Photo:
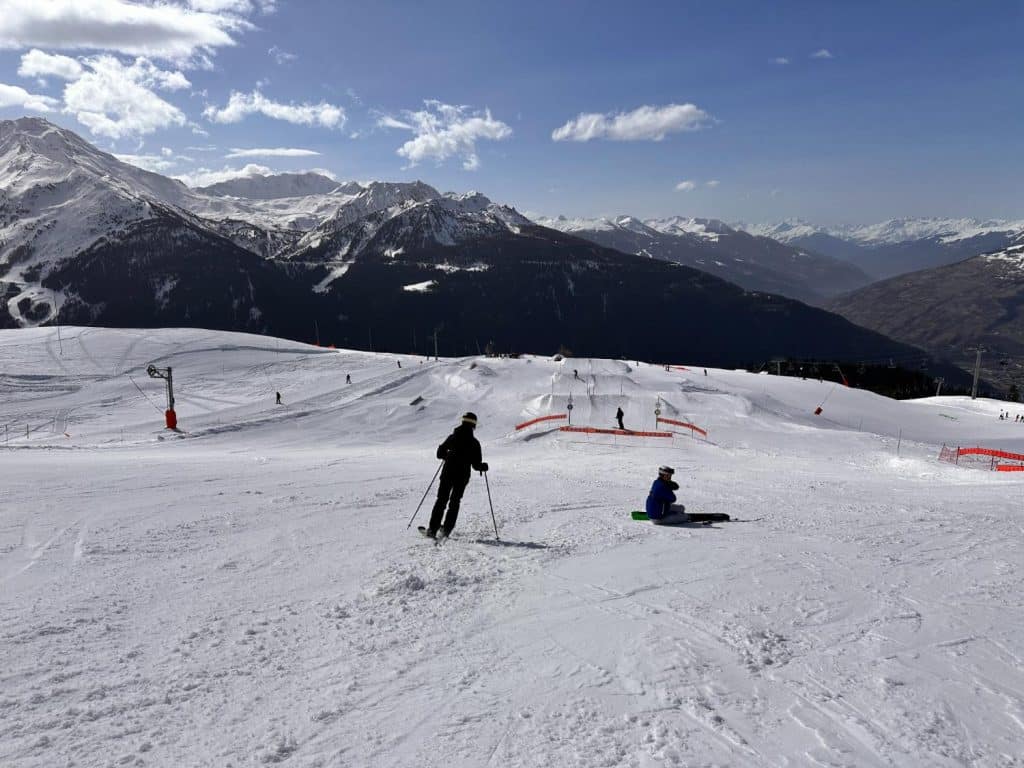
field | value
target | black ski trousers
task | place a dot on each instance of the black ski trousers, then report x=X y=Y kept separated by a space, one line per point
x=449 y=493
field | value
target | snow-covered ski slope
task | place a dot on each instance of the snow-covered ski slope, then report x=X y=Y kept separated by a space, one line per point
x=247 y=592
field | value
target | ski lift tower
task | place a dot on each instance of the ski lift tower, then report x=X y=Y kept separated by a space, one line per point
x=165 y=373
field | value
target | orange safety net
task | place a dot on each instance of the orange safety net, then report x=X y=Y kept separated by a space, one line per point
x=990 y=452
x=1009 y=467
x=686 y=424
x=526 y=424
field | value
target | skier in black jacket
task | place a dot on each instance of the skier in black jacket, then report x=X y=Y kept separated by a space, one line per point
x=460 y=451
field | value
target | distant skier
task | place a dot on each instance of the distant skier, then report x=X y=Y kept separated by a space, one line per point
x=348 y=378
x=661 y=508
x=618 y=417
x=278 y=398
x=576 y=375
x=399 y=363
x=460 y=451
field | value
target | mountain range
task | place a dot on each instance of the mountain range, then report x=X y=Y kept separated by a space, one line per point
x=953 y=309
x=754 y=262
x=88 y=239
x=896 y=246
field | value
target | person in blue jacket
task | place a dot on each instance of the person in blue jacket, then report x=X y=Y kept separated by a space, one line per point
x=661 y=506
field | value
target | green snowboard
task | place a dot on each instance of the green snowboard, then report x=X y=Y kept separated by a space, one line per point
x=695 y=517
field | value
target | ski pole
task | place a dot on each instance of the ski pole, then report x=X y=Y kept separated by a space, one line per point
x=424 y=495
x=491 y=504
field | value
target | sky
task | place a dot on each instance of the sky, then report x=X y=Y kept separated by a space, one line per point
x=838 y=113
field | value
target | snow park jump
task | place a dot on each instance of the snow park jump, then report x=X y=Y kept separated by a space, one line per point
x=618 y=432
x=283 y=529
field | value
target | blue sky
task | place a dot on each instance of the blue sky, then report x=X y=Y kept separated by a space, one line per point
x=833 y=112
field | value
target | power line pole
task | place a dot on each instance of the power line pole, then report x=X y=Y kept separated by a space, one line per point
x=977 y=371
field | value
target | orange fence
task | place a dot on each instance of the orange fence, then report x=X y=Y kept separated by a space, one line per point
x=990 y=452
x=691 y=427
x=953 y=455
x=623 y=432
x=531 y=422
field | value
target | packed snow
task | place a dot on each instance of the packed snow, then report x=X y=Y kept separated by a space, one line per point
x=248 y=591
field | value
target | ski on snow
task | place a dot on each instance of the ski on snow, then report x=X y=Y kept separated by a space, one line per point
x=439 y=539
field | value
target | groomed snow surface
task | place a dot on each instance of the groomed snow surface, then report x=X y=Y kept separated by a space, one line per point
x=247 y=592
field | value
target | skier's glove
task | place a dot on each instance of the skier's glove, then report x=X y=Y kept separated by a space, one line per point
x=483 y=466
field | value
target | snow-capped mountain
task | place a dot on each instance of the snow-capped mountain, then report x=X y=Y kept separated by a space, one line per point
x=360 y=202
x=889 y=232
x=276 y=186
x=785 y=231
x=709 y=229
x=947 y=231
x=58 y=193
x=953 y=308
x=756 y=263
x=896 y=246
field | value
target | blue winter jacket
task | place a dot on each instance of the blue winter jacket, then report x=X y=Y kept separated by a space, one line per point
x=660 y=498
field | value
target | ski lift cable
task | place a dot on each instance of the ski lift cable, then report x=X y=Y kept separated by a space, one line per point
x=157 y=407
x=829 y=394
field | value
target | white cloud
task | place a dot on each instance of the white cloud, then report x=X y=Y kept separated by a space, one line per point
x=443 y=131
x=158 y=30
x=712 y=183
x=781 y=60
x=686 y=186
x=822 y=53
x=204 y=177
x=155 y=163
x=13 y=96
x=281 y=56
x=239 y=7
x=35 y=63
x=241 y=105
x=642 y=124
x=270 y=152
x=116 y=100
x=389 y=122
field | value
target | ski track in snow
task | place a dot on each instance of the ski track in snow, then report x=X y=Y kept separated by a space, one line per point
x=248 y=593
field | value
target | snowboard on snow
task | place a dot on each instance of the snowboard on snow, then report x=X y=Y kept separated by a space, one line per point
x=695 y=517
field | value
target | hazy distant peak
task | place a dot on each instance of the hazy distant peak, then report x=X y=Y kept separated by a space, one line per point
x=273 y=186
